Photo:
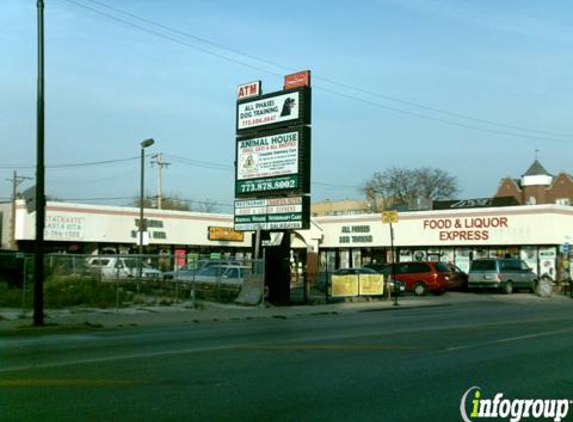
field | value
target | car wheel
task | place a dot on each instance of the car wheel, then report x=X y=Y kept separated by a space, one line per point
x=420 y=289
x=508 y=288
x=534 y=287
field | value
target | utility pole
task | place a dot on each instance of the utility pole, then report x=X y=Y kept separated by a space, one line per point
x=16 y=181
x=40 y=182
x=158 y=159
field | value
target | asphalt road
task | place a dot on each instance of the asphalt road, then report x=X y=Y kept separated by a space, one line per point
x=392 y=365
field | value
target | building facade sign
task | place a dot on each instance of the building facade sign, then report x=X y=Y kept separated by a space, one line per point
x=225 y=233
x=355 y=234
x=466 y=228
x=64 y=227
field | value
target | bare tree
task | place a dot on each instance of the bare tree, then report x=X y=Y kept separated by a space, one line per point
x=208 y=205
x=398 y=186
x=171 y=203
x=175 y=203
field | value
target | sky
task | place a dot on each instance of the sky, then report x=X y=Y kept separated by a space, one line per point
x=479 y=89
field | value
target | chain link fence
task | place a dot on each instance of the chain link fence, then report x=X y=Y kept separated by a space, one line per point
x=110 y=281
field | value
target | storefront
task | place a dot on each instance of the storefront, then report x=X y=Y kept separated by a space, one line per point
x=87 y=229
x=536 y=234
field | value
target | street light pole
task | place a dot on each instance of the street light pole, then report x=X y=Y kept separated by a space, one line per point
x=144 y=144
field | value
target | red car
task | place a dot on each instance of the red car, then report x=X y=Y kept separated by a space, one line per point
x=423 y=276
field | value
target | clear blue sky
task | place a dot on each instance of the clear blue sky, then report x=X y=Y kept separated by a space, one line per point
x=395 y=83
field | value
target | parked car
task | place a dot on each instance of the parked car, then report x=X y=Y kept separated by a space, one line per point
x=393 y=286
x=220 y=273
x=192 y=267
x=114 y=267
x=389 y=283
x=505 y=274
x=423 y=276
x=459 y=277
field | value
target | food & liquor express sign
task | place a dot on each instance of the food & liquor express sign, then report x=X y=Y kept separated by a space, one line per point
x=467 y=228
x=284 y=108
x=273 y=214
x=274 y=163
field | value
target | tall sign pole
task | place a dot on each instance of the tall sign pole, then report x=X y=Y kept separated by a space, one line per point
x=40 y=189
x=391 y=217
x=272 y=171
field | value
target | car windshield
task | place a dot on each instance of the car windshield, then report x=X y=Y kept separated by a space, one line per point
x=211 y=271
x=485 y=265
x=365 y=271
x=443 y=268
x=134 y=263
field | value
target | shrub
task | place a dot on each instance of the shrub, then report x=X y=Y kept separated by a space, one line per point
x=11 y=297
x=63 y=292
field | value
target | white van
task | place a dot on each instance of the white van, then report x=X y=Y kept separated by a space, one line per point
x=114 y=267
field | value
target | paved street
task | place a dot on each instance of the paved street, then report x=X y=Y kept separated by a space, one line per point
x=376 y=364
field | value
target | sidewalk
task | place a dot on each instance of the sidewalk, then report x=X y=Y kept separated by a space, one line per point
x=12 y=321
x=184 y=313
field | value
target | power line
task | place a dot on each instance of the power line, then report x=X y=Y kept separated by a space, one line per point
x=337 y=83
x=444 y=121
x=198 y=163
x=76 y=180
x=167 y=37
x=72 y=165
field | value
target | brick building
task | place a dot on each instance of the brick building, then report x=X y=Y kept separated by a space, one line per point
x=538 y=186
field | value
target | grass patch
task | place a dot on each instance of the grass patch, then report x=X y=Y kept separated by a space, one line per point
x=65 y=292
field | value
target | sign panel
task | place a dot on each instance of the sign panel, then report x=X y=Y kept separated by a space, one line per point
x=273 y=214
x=64 y=227
x=29 y=196
x=277 y=163
x=389 y=217
x=502 y=201
x=225 y=233
x=371 y=284
x=248 y=90
x=344 y=285
x=295 y=80
x=283 y=108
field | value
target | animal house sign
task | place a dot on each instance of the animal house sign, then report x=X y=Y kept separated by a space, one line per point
x=273 y=163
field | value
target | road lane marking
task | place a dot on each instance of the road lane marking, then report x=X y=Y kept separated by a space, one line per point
x=506 y=340
x=326 y=347
x=116 y=358
x=67 y=382
x=334 y=337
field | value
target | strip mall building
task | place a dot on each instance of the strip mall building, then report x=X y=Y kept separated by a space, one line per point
x=538 y=234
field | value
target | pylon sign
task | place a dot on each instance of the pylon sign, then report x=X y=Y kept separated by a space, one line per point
x=272 y=157
x=290 y=107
